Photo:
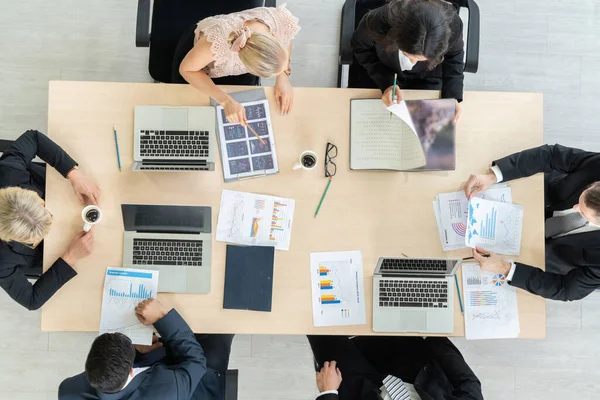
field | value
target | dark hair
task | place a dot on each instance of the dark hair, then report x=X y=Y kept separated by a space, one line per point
x=418 y=27
x=109 y=362
x=592 y=198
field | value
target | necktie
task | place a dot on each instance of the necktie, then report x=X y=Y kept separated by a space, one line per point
x=563 y=224
x=396 y=388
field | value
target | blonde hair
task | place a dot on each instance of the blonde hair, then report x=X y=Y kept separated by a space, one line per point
x=263 y=55
x=23 y=217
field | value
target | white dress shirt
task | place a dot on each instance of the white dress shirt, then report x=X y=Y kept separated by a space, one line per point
x=384 y=394
x=136 y=372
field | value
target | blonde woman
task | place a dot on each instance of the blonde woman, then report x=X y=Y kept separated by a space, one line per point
x=256 y=41
x=24 y=220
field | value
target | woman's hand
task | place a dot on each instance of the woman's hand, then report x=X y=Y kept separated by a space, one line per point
x=284 y=94
x=85 y=189
x=234 y=112
x=387 y=96
x=457 y=113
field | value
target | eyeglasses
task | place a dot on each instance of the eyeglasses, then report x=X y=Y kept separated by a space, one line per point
x=330 y=153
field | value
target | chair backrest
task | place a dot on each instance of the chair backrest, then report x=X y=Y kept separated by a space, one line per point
x=231 y=384
x=171 y=18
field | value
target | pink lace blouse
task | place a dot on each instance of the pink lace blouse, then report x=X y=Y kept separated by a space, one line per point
x=218 y=30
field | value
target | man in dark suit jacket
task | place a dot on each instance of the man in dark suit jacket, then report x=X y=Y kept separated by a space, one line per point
x=19 y=258
x=369 y=367
x=380 y=28
x=179 y=368
x=572 y=208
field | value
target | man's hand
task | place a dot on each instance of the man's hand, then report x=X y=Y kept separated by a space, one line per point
x=81 y=246
x=457 y=112
x=284 y=94
x=150 y=310
x=387 y=96
x=329 y=378
x=492 y=262
x=147 y=349
x=85 y=189
x=479 y=183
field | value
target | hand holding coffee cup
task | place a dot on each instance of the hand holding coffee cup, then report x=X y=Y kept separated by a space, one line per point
x=308 y=160
x=91 y=215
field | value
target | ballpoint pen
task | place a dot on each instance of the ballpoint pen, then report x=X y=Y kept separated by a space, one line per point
x=117 y=146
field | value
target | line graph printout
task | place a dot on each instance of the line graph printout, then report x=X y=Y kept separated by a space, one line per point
x=451 y=210
x=124 y=289
x=495 y=226
x=491 y=310
x=255 y=219
x=338 y=293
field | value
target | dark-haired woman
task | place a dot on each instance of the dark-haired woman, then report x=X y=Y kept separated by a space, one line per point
x=420 y=40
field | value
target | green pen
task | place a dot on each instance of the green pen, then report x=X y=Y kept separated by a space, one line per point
x=394 y=92
x=323 y=197
x=459 y=296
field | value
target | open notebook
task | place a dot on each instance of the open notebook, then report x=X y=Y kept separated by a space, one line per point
x=419 y=136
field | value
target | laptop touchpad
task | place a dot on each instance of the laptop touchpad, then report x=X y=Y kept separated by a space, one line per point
x=175 y=118
x=414 y=321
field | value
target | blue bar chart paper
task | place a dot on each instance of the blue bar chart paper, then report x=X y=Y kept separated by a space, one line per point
x=124 y=289
x=494 y=226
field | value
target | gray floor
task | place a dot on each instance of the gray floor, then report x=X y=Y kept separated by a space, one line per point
x=548 y=46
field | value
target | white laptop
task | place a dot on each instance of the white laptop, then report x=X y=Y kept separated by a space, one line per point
x=174 y=138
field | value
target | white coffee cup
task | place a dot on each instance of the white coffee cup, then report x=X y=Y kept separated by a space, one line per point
x=91 y=215
x=308 y=160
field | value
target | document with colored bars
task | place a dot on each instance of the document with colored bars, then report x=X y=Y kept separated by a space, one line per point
x=451 y=211
x=338 y=289
x=124 y=289
x=491 y=310
x=255 y=219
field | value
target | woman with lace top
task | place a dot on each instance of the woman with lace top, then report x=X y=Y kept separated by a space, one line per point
x=256 y=41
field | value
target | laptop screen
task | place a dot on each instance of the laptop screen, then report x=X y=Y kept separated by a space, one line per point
x=166 y=219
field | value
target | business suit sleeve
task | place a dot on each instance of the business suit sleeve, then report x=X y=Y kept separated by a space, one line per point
x=546 y=158
x=32 y=297
x=453 y=65
x=575 y=285
x=465 y=384
x=363 y=46
x=329 y=396
x=188 y=361
x=34 y=143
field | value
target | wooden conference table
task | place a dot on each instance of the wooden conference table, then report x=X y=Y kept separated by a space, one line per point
x=379 y=213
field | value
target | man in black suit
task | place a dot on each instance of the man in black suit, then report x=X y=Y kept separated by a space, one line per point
x=182 y=367
x=373 y=367
x=572 y=208
x=24 y=221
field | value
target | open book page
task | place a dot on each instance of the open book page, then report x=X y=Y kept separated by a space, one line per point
x=378 y=142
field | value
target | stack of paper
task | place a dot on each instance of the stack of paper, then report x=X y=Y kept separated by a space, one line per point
x=490 y=305
x=338 y=288
x=451 y=210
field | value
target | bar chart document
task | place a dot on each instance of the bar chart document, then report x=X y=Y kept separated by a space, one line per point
x=338 y=289
x=491 y=310
x=124 y=289
x=255 y=219
x=494 y=226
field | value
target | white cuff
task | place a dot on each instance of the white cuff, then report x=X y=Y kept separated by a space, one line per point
x=328 y=392
x=497 y=172
x=511 y=272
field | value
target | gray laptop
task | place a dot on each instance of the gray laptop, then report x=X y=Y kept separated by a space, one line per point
x=175 y=240
x=414 y=295
x=174 y=138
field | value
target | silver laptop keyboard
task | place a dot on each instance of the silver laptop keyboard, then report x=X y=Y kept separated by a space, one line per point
x=167 y=252
x=174 y=168
x=409 y=293
x=174 y=144
x=412 y=264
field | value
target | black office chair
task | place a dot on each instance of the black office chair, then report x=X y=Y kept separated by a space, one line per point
x=352 y=74
x=170 y=20
x=231 y=384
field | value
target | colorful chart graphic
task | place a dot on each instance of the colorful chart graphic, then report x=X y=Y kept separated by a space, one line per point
x=254 y=228
x=483 y=298
x=498 y=280
x=329 y=299
x=459 y=228
x=259 y=204
x=324 y=271
x=325 y=285
x=141 y=293
x=276 y=220
x=345 y=313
